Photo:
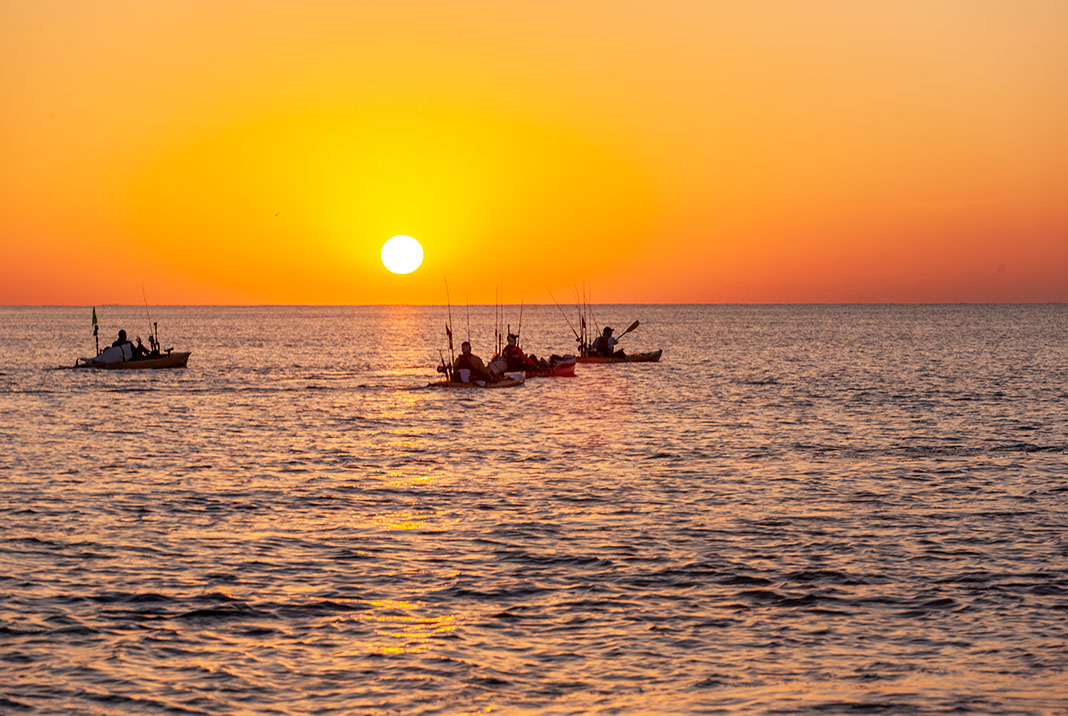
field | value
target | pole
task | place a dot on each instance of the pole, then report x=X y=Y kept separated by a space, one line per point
x=589 y=304
x=447 y=370
x=96 y=334
x=519 y=330
x=561 y=308
x=448 y=326
x=147 y=314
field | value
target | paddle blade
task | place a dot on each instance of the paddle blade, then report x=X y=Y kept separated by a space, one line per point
x=630 y=328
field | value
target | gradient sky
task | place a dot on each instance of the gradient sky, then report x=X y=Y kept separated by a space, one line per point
x=657 y=151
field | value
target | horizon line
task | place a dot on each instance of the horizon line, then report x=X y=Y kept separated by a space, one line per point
x=443 y=305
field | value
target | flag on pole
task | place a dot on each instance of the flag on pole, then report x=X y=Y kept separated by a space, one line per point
x=94 y=321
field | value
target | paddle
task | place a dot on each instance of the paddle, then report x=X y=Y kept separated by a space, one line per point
x=629 y=329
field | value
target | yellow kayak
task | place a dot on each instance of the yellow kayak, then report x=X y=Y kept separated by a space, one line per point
x=170 y=360
x=505 y=383
x=652 y=357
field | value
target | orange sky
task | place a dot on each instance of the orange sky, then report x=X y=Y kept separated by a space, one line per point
x=659 y=151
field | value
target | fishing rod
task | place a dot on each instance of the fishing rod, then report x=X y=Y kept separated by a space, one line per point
x=580 y=302
x=519 y=330
x=151 y=336
x=444 y=368
x=564 y=315
x=498 y=314
x=589 y=304
x=448 y=326
x=580 y=305
x=96 y=334
x=468 y=318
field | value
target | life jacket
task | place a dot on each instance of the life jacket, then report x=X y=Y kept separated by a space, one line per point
x=513 y=355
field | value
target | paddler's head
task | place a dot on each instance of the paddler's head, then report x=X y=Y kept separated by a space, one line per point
x=512 y=338
x=122 y=335
x=465 y=348
x=607 y=331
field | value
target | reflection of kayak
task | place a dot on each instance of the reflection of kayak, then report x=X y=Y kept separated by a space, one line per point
x=563 y=368
x=505 y=383
x=171 y=360
x=652 y=357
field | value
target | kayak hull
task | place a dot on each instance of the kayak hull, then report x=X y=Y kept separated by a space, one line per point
x=651 y=357
x=506 y=383
x=174 y=360
x=561 y=369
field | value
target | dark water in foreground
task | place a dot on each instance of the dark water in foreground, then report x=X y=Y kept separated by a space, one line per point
x=836 y=509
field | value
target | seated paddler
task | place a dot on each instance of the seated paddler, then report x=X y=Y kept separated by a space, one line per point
x=122 y=348
x=605 y=344
x=122 y=340
x=515 y=357
x=467 y=368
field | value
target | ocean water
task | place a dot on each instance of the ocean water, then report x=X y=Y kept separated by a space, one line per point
x=799 y=509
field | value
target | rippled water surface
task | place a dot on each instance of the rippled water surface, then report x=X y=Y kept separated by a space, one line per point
x=821 y=508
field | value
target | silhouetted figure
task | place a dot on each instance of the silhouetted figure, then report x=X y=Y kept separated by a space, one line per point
x=468 y=367
x=514 y=356
x=605 y=344
x=122 y=340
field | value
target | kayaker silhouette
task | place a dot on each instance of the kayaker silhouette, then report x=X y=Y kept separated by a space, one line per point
x=516 y=358
x=604 y=344
x=468 y=367
x=122 y=340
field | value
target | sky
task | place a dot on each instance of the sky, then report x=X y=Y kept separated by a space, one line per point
x=651 y=151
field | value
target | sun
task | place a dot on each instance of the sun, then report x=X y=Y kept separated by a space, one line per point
x=402 y=254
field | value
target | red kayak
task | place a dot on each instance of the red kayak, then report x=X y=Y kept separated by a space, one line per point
x=560 y=368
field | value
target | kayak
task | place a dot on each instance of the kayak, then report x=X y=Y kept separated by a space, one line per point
x=563 y=368
x=171 y=360
x=651 y=357
x=505 y=383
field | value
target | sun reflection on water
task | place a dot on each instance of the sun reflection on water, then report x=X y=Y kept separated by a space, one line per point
x=398 y=631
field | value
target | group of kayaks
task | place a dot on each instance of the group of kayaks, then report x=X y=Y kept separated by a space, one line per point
x=555 y=367
x=125 y=356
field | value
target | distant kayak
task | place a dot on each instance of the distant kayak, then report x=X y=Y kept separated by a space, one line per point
x=652 y=357
x=170 y=360
x=505 y=383
x=124 y=355
x=562 y=368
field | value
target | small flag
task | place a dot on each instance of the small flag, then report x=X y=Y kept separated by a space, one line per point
x=94 y=320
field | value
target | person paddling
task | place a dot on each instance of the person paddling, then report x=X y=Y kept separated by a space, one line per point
x=468 y=367
x=605 y=344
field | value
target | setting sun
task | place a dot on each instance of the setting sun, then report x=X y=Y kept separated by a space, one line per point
x=402 y=254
